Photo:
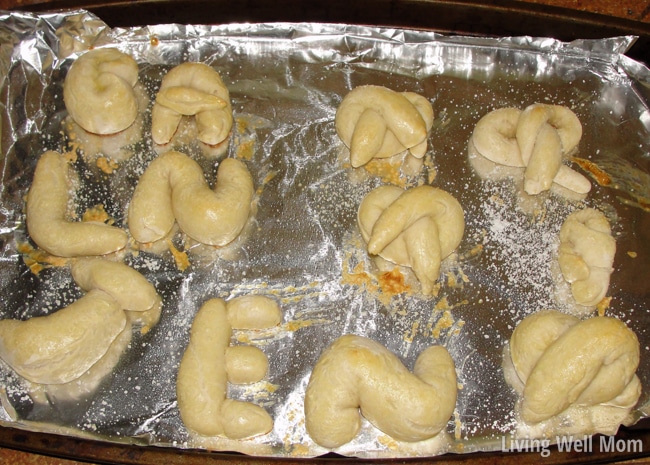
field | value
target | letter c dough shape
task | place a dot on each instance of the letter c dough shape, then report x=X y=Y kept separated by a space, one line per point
x=173 y=189
x=563 y=361
x=98 y=91
x=586 y=255
x=203 y=376
x=46 y=212
x=417 y=227
x=60 y=347
x=192 y=89
x=377 y=122
x=358 y=375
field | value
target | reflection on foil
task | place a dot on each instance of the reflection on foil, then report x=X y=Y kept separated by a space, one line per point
x=303 y=247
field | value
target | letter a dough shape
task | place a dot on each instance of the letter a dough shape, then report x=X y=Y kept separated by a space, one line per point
x=356 y=375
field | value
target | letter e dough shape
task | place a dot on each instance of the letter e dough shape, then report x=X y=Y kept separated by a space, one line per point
x=201 y=384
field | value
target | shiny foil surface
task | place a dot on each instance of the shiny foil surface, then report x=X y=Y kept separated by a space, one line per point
x=303 y=246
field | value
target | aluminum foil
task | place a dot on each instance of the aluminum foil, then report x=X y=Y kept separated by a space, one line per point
x=303 y=247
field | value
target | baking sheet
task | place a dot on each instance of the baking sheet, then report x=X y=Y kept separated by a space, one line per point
x=303 y=248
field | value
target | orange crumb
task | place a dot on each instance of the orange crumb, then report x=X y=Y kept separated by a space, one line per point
x=596 y=172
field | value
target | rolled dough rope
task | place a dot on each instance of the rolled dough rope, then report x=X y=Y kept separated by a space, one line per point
x=253 y=312
x=586 y=255
x=192 y=89
x=356 y=375
x=418 y=228
x=377 y=122
x=46 y=212
x=60 y=347
x=137 y=296
x=565 y=362
x=98 y=91
x=173 y=189
x=536 y=139
x=202 y=381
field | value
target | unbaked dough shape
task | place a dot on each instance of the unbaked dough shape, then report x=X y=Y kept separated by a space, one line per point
x=574 y=369
x=536 y=139
x=173 y=190
x=132 y=291
x=47 y=219
x=98 y=91
x=357 y=376
x=210 y=362
x=65 y=355
x=417 y=227
x=377 y=122
x=586 y=255
x=62 y=346
x=193 y=89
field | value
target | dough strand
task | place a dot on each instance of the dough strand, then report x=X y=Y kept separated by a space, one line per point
x=358 y=376
x=47 y=219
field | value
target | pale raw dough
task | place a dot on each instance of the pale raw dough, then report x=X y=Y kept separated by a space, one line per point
x=586 y=255
x=98 y=91
x=209 y=363
x=254 y=312
x=66 y=354
x=203 y=376
x=377 y=122
x=358 y=376
x=245 y=364
x=564 y=362
x=133 y=292
x=47 y=219
x=417 y=228
x=192 y=89
x=62 y=346
x=173 y=190
x=536 y=139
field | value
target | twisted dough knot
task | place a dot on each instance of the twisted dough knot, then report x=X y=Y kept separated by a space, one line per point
x=536 y=139
x=47 y=220
x=61 y=347
x=376 y=122
x=98 y=91
x=358 y=374
x=564 y=361
x=192 y=89
x=586 y=255
x=209 y=363
x=173 y=189
x=418 y=228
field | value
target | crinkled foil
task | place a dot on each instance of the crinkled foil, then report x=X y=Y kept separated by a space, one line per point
x=303 y=247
